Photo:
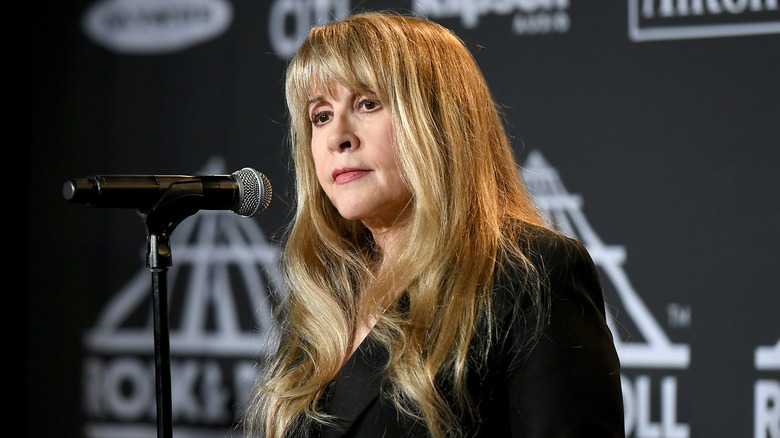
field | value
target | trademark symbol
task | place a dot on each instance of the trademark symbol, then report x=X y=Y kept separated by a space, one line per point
x=678 y=315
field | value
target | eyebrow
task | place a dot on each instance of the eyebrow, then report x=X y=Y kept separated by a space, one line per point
x=312 y=101
x=315 y=100
x=322 y=98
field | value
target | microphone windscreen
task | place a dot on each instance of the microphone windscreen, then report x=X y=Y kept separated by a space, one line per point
x=254 y=192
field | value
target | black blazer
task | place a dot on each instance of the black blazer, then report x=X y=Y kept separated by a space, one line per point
x=567 y=385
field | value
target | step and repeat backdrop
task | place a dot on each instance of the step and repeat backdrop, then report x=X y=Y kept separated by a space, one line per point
x=647 y=129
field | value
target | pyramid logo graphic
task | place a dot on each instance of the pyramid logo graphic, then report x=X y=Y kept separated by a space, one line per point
x=563 y=211
x=224 y=285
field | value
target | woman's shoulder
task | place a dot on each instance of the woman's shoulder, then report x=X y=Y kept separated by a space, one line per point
x=548 y=242
x=555 y=277
x=566 y=377
x=550 y=254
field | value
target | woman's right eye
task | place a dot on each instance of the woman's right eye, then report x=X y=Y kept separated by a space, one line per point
x=320 y=118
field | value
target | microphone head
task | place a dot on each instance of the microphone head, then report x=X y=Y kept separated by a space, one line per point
x=254 y=192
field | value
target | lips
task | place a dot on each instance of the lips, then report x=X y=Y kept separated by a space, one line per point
x=345 y=175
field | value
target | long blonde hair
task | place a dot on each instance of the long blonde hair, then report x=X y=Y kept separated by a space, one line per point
x=467 y=202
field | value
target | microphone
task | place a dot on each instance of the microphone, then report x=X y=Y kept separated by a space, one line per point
x=246 y=192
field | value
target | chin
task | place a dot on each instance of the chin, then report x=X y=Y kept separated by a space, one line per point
x=353 y=217
x=351 y=210
x=349 y=215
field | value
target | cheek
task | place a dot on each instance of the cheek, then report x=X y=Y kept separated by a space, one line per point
x=319 y=157
x=391 y=159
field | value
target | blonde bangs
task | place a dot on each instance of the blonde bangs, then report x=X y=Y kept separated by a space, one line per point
x=352 y=55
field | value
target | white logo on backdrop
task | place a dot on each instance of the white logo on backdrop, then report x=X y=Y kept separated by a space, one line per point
x=684 y=19
x=155 y=26
x=529 y=17
x=563 y=211
x=289 y=21
x=224 y=281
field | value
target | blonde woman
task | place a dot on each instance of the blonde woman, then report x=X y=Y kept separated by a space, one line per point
x=427 y=298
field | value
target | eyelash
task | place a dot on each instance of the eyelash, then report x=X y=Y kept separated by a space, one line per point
x=316 y=116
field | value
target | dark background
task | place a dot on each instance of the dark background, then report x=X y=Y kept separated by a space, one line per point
x=673 y=145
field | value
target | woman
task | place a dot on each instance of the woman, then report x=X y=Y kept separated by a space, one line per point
x=426 y=296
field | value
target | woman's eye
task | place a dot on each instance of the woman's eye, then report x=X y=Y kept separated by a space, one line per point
x=369 y=105
x=319 y=118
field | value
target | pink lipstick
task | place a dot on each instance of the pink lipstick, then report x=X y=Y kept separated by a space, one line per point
x=345 y=175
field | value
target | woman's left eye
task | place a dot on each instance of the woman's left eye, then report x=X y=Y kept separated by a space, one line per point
x=369 y=105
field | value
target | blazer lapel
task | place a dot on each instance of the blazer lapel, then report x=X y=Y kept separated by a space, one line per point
x=356 y=388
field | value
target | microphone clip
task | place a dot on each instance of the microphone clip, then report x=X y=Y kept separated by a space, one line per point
x=181 y=200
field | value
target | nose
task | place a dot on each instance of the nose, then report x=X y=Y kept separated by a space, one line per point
x=342 y=134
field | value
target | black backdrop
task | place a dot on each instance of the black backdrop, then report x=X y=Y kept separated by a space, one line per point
x=662 y=129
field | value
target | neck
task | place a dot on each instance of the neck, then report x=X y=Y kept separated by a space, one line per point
x=386 y=235
x=385 y=239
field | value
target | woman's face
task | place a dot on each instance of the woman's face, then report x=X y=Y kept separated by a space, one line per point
x=355 y=157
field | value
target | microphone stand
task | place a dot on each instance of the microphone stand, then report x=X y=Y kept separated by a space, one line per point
x=180 y=201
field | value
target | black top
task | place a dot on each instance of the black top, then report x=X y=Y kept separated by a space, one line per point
x=567 y=385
